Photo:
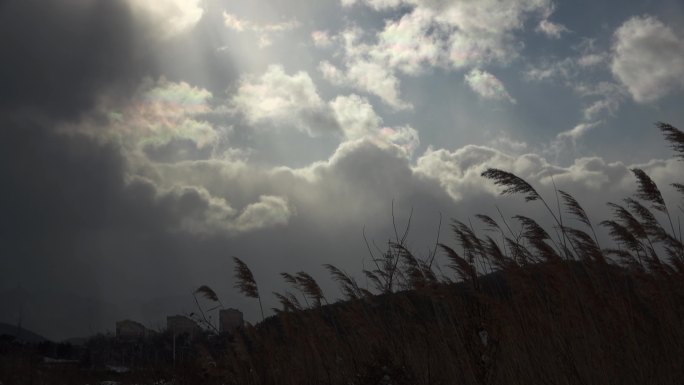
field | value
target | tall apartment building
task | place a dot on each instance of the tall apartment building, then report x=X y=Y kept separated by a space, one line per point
x=128 y=329
x=180 y=324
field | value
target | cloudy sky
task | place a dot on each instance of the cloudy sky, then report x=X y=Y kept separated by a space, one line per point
x=144 y=143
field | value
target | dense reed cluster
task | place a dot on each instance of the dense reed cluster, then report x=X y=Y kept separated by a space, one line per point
x=525 y=306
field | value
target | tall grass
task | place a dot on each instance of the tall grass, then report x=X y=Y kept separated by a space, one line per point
x=523 y=306
x=520 y=304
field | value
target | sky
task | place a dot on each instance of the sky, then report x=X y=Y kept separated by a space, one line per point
x=143 y=144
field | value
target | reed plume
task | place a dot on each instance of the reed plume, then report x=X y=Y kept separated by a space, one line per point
x=348 y=285
x=648 y=190
x=586 y=246
x=207 y=293
x=499 y=259
x=310 y=287
x=513 y=184
x=537 y=237
x=306 y=285
x=573 y=207
x=288 y=301
x=487 y=220
x=674 y=136
x=464 y=269
x=246 y=283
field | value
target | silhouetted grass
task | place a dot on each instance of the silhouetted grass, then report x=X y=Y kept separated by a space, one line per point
x=521 y=304
x=537 y=307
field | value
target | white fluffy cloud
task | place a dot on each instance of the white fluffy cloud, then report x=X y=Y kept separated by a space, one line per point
x=459 y=172
x=269 y=211
x=170 y=17
x=263 y=31
x=376 y=79
x=601 y=99
x=577 y=131
x=161 y=111
x=552 y=70
x=358 y=120
x=610 y=95
x=355 y=115
x=361 y=173
x=551 y=29
x=483 y=31
x=591 y=59
x=588 y=57
x=375 y=4
x=451 y=35
x=193 y=209
x=331 y=73
x=369 y=76
x=278 y=99
x=487 y=86
x=321 y=38
x=648 y=58
x=407 y=44
x=238 y=24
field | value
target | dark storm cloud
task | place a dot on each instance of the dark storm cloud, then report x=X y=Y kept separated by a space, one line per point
x=55 y=190
x=73 y=224
x=59 y=56
x=76 y=223
x=58 y=192
x=74 y=230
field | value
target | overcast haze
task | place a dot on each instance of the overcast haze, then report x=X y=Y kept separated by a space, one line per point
x=144 y=143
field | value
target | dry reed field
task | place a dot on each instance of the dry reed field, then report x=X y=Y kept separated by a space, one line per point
x=526 y=307
x=519 y=304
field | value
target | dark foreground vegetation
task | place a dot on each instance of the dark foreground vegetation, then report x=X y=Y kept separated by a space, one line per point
x=106 y=359
x=518 y=305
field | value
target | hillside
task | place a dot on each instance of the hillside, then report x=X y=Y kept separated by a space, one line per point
x=20 y=334
x=516 y=304
x=513 y=304
x=557 y=322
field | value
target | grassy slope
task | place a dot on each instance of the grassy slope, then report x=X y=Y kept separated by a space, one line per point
x=528 y=310
x=560 y=323
x=557 y=311
x=20 y=334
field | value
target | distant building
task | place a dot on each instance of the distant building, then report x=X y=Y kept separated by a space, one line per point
x=230 y=320
x=180 y=324
x=128 y=329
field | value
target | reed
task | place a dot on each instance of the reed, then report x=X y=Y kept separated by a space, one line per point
x=521 y=307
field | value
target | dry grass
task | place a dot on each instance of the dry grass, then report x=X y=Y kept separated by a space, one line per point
x=556 y=322
x=532 y=309
x=525 y=306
